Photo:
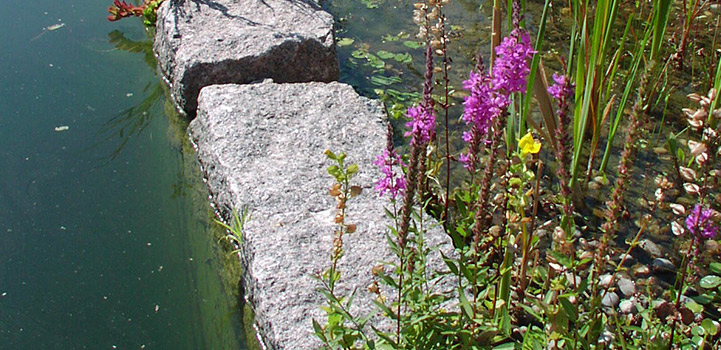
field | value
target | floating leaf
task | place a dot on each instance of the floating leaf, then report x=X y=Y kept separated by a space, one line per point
x=359 y=53
x=403 y=58
x=389 y=37
x=384 y=81
x=345 y=42
x=710 y=281
x=377 y=63
x=385 y=54
x=412 y=44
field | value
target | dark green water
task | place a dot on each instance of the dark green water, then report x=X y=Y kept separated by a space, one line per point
x=106 y=238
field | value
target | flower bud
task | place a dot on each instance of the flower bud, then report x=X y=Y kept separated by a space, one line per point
x=676 y=228
x=687 y=173
x=691 y=188
x=678 y=209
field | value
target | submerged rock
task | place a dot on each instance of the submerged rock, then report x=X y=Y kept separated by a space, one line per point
x=610 y=300
x=663 y=265
x=626 y=286
x=200 y=43
x=261 y=147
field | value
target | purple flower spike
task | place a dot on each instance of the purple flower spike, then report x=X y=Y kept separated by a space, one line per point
x=562 y=87
x=391 y=181
x=511 y=69
x=422 y=124
x=699 y=223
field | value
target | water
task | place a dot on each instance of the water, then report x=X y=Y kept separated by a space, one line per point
x=106 y=238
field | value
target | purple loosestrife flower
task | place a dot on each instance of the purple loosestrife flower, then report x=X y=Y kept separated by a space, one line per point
x=422 y=124
x=562 y=87
x=511 y=69
x=699 y=223
x=392 y=181
x=483 y=105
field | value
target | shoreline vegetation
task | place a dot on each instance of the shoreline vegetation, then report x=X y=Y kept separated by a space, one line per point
x=531 y=273
x=540 y=260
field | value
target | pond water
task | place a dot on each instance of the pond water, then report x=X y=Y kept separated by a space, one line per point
x=106 y=236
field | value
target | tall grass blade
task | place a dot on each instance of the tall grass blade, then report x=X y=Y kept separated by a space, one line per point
x=661 y=10
x=540 y=86
x=638 y=57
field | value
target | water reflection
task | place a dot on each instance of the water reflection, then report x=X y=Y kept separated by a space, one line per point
x=132 y=121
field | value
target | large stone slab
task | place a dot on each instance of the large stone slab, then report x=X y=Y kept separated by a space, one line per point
x=204 y=42
x=261 y=146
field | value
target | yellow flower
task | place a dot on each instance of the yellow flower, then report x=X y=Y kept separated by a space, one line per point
x=528 y=145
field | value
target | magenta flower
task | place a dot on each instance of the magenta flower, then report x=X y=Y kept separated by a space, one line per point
x=699 y=223
x=512 y=66
x=483 y=106
x=422 y=124
x=561 y=88
x=391 y=181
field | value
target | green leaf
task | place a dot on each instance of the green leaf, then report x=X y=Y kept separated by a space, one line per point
x=359 y=53
x=345 y=42
x=465 y=305
x=569 y=308
x=385 y=54
x=561 y=258
x=352 y=169
x=715 y=267
x=506 y=346
x=376 y=63
x=403 y=58
x=710 y=282
x=709 y=327
x=694 y=307
x=412 y=44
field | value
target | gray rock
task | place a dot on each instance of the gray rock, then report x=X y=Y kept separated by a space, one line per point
x=605 y=280
x=261 y=146
x=200 y=43
x=651 y=248
x=663 y=265
x=627 y=307
x=626 y=286
x=610 y=300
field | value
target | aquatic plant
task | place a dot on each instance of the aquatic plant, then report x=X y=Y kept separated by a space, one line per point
x=528 y=267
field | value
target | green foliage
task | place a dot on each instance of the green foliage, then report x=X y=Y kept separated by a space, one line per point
x=235 y=227
x=510 y=280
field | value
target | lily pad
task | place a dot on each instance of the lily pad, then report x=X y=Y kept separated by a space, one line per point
x=385 y=54
x=345 y=41
x=412 y=44
x=403 y=58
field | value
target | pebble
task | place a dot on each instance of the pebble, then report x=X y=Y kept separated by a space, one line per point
x=641 y=271
x=651 y=248
x=627 y=259
x=627 y=307
x=626 y=286
x=605 y=280
x=663 y=265
x=610 y=300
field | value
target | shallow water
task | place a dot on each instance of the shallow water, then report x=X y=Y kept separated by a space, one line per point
x=106 y=238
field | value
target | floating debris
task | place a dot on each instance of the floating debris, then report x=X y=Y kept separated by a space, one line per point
x=49 y=28
x=55 y=26
x=62 y=128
